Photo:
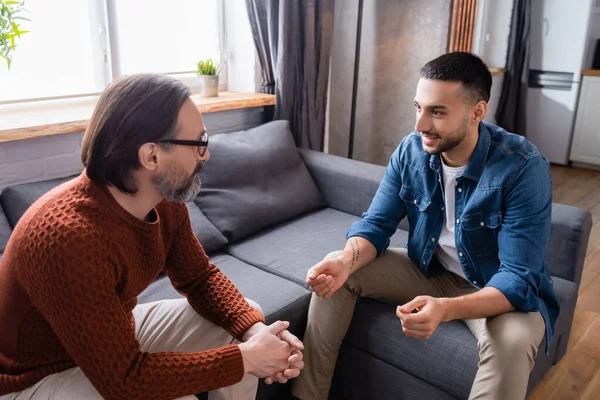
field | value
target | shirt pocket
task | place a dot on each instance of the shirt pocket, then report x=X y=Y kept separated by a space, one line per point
x=416 y=204
x=480 y=230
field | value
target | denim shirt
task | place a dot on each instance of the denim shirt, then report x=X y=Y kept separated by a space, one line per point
x=502 y=211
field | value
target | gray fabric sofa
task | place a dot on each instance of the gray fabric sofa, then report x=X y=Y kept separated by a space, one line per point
x=269 y=211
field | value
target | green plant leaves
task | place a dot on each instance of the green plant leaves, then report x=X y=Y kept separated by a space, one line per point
x=207 y=67
x=9 y=28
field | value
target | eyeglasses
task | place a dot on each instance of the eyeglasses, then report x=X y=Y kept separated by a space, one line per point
x=202 y=144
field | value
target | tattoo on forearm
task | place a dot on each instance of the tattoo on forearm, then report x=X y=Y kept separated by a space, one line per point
x=355 y=252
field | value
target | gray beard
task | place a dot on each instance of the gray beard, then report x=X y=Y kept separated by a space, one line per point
x=183 y=193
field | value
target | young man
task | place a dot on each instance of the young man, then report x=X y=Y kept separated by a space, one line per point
x=80 y=256
x=478 y=201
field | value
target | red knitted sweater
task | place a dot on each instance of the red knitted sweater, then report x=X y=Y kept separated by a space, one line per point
x=69 y=280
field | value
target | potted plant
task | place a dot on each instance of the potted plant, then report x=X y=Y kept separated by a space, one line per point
x=208 y=75
x=9 y=28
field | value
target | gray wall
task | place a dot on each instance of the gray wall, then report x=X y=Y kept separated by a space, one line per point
x=57 y=156
x=398 y=37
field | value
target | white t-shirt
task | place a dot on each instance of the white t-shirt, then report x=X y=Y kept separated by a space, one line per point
x=446 y=249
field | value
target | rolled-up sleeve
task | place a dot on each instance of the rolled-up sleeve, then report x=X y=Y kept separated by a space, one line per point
x=523 y=236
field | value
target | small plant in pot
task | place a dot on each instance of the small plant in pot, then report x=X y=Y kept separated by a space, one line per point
x=208 y=74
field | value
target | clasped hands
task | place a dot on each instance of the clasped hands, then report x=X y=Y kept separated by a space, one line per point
x=279 y=352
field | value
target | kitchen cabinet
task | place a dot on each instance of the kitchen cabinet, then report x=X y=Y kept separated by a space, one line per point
x=586 y=135
x=558 y=41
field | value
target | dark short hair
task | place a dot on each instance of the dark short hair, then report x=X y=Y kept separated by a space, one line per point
x=462 y=67
x=131 y=111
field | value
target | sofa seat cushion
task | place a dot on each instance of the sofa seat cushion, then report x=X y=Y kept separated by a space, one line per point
x=291 y=248
x=376 y=379
x=278 y=298
x=447 y=360
x=255 y=179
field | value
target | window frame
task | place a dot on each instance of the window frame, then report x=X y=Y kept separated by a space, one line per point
x=105 y=50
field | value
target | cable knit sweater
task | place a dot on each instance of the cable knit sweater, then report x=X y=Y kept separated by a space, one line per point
x=69 y=280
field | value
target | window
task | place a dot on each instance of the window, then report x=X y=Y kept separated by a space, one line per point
x=75 y=47
x=167 y=38
x=55 y=57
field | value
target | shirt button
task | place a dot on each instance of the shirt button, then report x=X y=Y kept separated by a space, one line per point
x=415 y=201
x=474 y=282
x=442 y=208
x=459 y=190
x=482 y=223
x=460 y=254
x=424 y=263
x=433 y=239
x=458 y=220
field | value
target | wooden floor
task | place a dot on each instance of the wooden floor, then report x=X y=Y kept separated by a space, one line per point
x=577 y=376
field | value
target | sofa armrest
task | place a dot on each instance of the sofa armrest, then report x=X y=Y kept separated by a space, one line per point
x=568 y=242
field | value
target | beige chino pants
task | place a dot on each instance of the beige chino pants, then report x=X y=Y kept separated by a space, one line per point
x=162 y=326
x=508 y=343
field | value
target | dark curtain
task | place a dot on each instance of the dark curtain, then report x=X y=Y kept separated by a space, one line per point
x=293 y=44
x=511 y=112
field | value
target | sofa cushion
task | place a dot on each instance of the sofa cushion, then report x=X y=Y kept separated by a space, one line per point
x=17 y=199
x=291 y=248
x=255 y=179
x=447 y=360
x=5 y=231
x=376 y=379
x=278 y=298
x=208 y=235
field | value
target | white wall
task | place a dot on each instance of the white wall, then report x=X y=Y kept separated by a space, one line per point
x=39 y=159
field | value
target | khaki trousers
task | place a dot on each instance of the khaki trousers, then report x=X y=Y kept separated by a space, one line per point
x=507 y=343
x=162 y=326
